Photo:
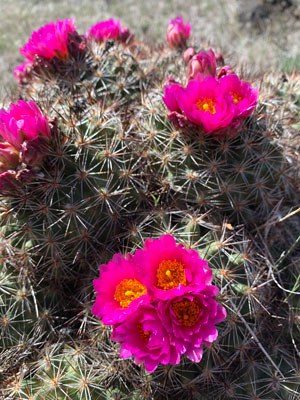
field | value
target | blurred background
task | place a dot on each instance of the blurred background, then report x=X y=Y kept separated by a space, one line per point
x=262 y=35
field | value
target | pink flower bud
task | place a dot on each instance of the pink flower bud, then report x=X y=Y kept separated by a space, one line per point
x=178 y=32
x=188 y=54
x=202 y=65
x=22 y=71
x=224 y=71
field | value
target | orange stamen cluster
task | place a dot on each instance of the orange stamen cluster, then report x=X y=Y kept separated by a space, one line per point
x=186 y=311
x=170 y=274
x=128 y=290
x=145 y=335
x=206 y=105
x=236 y=97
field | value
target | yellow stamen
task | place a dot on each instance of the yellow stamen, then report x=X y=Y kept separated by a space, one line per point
x=206 y=105
x=170 y=274
x=236 y=97
x=128 y=290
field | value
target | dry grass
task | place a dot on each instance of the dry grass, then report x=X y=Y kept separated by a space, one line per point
x=268 y=43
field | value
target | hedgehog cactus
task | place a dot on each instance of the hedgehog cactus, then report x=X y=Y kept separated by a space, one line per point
x=99 y=166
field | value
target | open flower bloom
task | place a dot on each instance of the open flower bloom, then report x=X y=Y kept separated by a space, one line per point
x=243 y=95
x=23 y=121
x=49 y=41
x=202 y=65
x=109 y=29
x=160 y=302
x=190 y=320
x=120 y=290
x=178 y=32
x=143 y=336
x=170 y=269
x=203 y=103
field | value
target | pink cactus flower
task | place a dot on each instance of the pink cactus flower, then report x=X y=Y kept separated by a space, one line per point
x=21 y=70
x=203 y=103
x=120 y=290
x=202 y=65
x=170 y=269
x=243 y=95
x=143 y=336
x=190 y=320
x=173 y=90
x=23 y=121
x=109 y=29
x=50 y=41
x=178 y=32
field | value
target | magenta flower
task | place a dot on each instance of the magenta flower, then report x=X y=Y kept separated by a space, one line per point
x=143 y=336
x=202 y=65
x=23 y=122
x=173 y=91
x=160 y=301
x=203 y=103
x=50 y=41
x=190 y=320
x=109 y=29
x=170 y=269
x=120 y=290
x=243 y=95
x=178 y=32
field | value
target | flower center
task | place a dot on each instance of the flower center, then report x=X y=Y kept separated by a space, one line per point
x=206 y=105
x=145 y=335
x=236 y=97
x=128 y=290
x=170 y=274
x=186 y=311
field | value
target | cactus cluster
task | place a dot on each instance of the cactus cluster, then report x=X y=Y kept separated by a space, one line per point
x=116 y=171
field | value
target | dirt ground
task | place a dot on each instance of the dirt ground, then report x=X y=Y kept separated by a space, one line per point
x=262 y=35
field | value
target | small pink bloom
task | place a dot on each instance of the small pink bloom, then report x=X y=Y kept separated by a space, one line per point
x=178 y=32
x=172 y=90
x=21 y=70
x=23 y=121
x=243 y=95
x=226 y=70
x=204 y=104
x=202 y=65
x=170 y=269
x=119 y=290
x=143 y=336
x=49 y=41
x=109 y=29
x=190 y=320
